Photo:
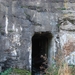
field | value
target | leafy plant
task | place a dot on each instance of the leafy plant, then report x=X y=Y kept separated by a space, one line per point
x=7 y=72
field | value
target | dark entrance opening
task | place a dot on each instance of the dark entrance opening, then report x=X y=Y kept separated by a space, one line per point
x=40 y=46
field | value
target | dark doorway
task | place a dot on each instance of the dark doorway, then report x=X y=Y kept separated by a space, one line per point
x=40 y=46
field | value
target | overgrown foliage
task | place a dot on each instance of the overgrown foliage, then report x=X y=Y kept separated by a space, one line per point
x=15 y=71
x=20 y=72
x=61 y=67
x=7 y=72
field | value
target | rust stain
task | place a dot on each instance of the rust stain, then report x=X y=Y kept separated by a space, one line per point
x=69 y=47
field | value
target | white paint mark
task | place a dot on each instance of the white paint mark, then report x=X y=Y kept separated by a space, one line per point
x=14 y=53
x=6 y=25
x=29 y=49
x=21 y=28
x=13 y=27
x=16 y=29
x=63 y=39
x=16 y=39
x=6 y=22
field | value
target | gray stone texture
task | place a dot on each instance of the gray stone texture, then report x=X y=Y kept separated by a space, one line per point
x=20 y=19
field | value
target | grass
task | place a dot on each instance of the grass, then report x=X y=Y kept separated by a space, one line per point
x=61 y=70
x=65 y=69
x=15 y=71
x=21 y=72
x=61 y=67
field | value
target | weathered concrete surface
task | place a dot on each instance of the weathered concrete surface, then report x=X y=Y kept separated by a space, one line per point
x=20 y=19
x=67 y=40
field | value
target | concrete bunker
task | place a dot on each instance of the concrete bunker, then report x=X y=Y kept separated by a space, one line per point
x=40 y=46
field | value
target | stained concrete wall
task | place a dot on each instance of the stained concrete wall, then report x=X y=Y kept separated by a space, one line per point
x=67 y=41
x=20 y=19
